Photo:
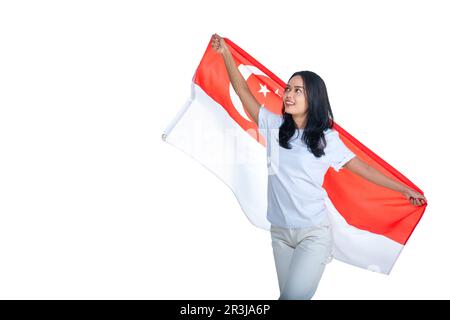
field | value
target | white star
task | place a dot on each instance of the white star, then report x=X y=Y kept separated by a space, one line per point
x=263 y=90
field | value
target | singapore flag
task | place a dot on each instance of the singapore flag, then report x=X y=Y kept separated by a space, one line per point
x=370 y=224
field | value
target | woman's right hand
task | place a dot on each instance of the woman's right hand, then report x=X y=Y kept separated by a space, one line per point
x=218 y=44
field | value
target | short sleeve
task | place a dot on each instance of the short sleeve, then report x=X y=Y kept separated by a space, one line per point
x=268 y=120
x=337 y=153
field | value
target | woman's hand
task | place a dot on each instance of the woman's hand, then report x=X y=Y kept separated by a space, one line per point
x=415 y=198
x=218 y=44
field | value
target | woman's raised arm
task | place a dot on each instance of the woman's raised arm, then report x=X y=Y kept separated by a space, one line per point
x=238 y=82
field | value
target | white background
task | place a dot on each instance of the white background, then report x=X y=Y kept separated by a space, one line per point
x=94 y=205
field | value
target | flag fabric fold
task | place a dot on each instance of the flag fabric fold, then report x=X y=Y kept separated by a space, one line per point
x=370 y=224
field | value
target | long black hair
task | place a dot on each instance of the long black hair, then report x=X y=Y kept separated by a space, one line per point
x=319 y=115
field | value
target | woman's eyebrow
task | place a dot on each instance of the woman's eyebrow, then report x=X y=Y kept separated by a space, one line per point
x=295 y=86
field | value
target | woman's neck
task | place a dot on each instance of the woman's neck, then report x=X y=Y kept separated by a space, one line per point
x=300 y=121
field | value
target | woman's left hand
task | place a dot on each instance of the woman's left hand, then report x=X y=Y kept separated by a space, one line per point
x=415 y=198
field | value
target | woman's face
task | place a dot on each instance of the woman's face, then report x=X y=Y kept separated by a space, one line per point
x=294 y=97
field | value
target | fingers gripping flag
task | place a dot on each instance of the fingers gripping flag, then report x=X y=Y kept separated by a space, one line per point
x=370 y=224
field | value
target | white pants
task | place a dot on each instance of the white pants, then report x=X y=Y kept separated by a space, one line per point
x=301 y=255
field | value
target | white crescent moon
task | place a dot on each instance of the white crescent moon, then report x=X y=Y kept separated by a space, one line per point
x=246 y=72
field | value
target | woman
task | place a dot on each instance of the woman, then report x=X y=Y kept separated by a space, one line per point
x=301 y=147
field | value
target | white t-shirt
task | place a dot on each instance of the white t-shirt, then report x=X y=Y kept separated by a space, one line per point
x=296 y=198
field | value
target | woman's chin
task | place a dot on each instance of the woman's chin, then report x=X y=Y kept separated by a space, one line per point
x=293 y=111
